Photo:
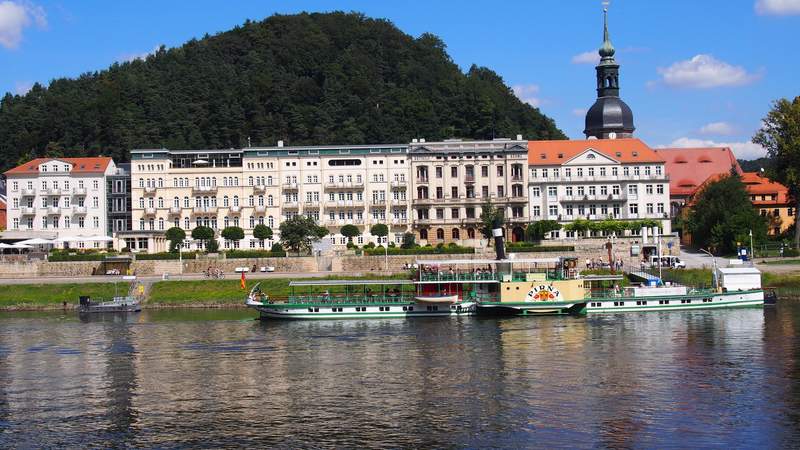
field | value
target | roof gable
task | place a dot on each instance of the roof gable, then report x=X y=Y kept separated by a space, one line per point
x=590 y=157
x=95 y=164
x=622 y=151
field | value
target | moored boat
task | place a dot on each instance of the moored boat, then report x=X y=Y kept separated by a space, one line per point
x=354 y=299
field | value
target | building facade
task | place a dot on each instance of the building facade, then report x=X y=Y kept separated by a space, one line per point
x=772 y=201
x=62 y=197
x=335 y=185
x=452 y=179
x=597 y=179
x=118 y=193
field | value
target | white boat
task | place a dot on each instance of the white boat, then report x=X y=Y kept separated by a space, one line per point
x=436 y=298
x=351 y=299
x=736 y=287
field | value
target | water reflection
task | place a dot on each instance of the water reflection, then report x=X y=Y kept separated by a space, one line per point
x=168 y=379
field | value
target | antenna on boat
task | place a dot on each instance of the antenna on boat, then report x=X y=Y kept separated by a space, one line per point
x=497 y=232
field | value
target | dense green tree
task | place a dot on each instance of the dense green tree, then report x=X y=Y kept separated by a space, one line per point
x=349 y=231
x=780 y=136
x=536 y=231
x=489 y=213
x=321 y=78
x=262 y=232
x=232 y=233
x=299 y=233
x=203 y=234
x=409 y=240
x=175 y=236
x=722 y=216
x=379 y=229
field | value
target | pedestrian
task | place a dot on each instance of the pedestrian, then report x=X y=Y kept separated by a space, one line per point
x=588 y=263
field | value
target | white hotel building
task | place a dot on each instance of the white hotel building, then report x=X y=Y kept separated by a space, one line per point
x=361 y=185
x=597 y=179
x=60 y=198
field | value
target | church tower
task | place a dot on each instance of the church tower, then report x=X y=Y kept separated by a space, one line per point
x=609 y=117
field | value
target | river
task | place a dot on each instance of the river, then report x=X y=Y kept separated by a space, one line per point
x=211 y=378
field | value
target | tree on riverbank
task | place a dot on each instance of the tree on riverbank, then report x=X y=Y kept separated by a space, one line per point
x=233 y=234
x=349 y=231
x=780 y=136
x=175 y=236
x=205 y=235
x=489 y=213
x=722 y=216
x=262 y=232
x=299 y=233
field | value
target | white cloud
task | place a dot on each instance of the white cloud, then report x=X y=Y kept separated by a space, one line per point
x=777 y=7
x=22 y=87
x=16 y=16
x=591 y=57
x=704 y=72
x=527 y=93
x=128 y=57
x=742 y=150
x=579 y=112
x=718 y=129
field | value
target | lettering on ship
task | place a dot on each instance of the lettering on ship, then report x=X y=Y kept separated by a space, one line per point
x=543 y=293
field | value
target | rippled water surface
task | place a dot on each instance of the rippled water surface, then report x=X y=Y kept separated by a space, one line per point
x=726 y=378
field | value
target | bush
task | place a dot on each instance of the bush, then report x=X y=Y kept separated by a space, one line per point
x=71 y=255
x=350 y=245
x=391 y=245
x=440 y=245
x=370 y=245
x=234 y=254
x=791 y=252
x=212 y=246
x=277 y=248
x=428 y=250
x=528 y=247
x=409 y=241
x=165 y=256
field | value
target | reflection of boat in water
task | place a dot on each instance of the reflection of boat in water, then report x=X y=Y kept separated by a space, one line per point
x=118 y=304
x=353 y=299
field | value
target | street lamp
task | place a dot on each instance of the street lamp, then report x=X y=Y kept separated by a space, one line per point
x=714 y=261
x=385 y=253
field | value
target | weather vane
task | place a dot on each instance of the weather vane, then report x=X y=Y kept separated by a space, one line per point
x=605 y=5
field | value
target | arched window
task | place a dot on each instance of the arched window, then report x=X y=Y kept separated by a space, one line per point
x=260 y=200
x=176 y=202
x=270 y=201
x=423 y=234
x=270 y=222
x=440 y=234
x=235 y=200
x=422 y=192
x=470 y=233
x=161 y=223
x=225 y=201
x=456 y=233
x=252 y=222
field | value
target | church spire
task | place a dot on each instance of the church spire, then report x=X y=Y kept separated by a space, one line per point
x=606 y=50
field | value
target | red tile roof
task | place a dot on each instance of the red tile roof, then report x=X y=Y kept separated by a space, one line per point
x=761 y=185
x=689 y=168
x=97 y=164
x=548 y=153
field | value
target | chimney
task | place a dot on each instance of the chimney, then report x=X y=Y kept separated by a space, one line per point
x=414 y=141
x=499 y=245
x=421 y=140
x=280 y=143
x=519 y=137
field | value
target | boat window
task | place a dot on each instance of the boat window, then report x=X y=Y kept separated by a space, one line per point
x=316 y=309
x=310 y=310
x=405 y=309
x=410 y=308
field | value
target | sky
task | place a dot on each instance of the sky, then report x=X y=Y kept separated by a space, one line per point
x=695 y=73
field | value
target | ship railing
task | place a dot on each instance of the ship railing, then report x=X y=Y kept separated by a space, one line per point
x=337 y=299
x=458 y=276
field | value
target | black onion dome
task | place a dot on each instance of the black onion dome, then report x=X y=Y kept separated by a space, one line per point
x=609 y=114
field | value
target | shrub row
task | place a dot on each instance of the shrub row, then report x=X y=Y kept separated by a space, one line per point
x=253 y=254
x=526 y=247
x=450 y=250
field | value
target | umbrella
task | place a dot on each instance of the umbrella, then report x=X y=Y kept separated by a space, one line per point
x=61 y=240
x=2 y=245
x=20 y=246
x=36 y=241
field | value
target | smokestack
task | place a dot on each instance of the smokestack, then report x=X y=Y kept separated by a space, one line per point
x=499 y=245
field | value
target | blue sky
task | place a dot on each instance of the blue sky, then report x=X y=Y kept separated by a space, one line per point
x=694 y=72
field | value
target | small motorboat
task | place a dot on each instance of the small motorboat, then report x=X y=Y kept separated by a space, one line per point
x=117 y=305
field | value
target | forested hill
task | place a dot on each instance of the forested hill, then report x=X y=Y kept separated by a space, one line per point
x=328 y=78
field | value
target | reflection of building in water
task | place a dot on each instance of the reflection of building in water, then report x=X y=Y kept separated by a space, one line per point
x=121 y=377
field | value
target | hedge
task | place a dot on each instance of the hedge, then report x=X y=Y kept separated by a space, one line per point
x=523 y=247
x=379 y=251
x=62 y=257
x=165 y=256
x=233 y=254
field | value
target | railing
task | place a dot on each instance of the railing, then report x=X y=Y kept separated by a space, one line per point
x=79 y=191
x=333 y=299
x=446 y=276
x=28 y=192
x=174 y=210
x=28 y=211
x=233 y=209
x=78 y=210
x=150 y=190
x=202 y=189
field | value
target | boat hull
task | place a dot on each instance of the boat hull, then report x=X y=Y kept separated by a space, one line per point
x=674 y=303
x=329 y=311
x=529 y=308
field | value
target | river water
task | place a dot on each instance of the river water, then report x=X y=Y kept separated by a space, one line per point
x=725 y=378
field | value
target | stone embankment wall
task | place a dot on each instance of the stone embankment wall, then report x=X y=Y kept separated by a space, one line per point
x=346 y=264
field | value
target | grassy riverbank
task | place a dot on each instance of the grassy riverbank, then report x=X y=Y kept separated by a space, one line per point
x=43 y=296
x=229 y=292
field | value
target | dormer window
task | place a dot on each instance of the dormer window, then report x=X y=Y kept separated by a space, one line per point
x=590 y=156
x=619 y=154
x=543 y=156
x=635 y=154
x=560 y=156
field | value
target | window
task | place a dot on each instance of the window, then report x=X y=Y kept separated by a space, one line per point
x=633 y=208
x=553 y=210
x=453 y=174
x=552 y=191
x=648 y=189
x=537 y=192
x=659 y=188
x=568 y=191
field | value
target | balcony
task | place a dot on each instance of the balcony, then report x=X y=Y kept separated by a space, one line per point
x=204 y=190
x=399 y=184
x=400 y=221
x=261 y=209
x=378 y=202
x=28 y=211
x=149 y=190
x=52 y=192
x=425 y=201
x=149 y=211
x=204 y=210
x=517 y=178
x=28 y=192
x=422 y=180
x=290 y=205
x=344 y=185
x=79 y=210
x=175 y=211
x=79 y=191
x=289 y=186
x=259 y=188
x=311 y=205
x=469 y=178
x=52 y=210
x=518 y=198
